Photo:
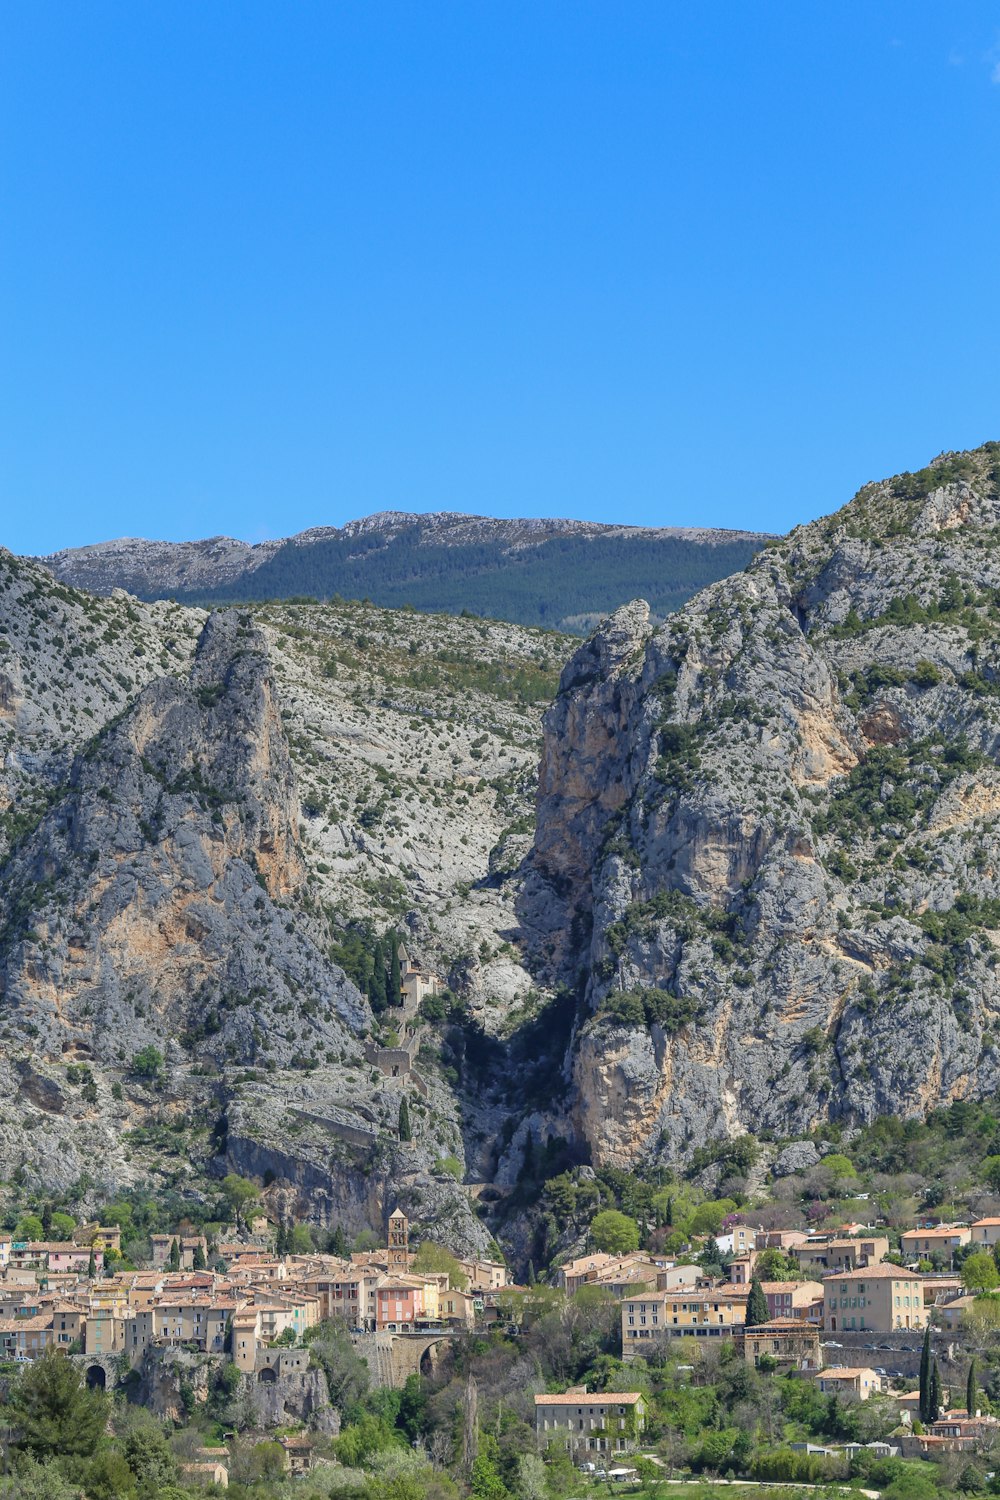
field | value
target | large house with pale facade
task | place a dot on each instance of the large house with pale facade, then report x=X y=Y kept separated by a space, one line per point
x=876 y=1299
x=611 y=1422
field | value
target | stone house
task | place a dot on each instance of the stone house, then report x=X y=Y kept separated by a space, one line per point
x=199 y=1320
x=187 y=1245
x=245 y=1339
x=298 y=1454
x=741 y=1268
x=206 y=1473
x=944 y=1240
x=707 y=1313
x=608 y=1423
x=874 y=1300
x=399 y=1304
x=985 y=1233
x=573 y=1274
x=416 y=983
x=822 y=1252
x=25 y=1338
x=484 y=1275
x=69 y=1324
x=849 y=1384
x=950 y=1314
x=102 y=1236
x=794 y=1299
x=791 y=1343
x=779 y=1239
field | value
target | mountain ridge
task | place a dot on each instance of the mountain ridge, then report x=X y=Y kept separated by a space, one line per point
x=533 y=571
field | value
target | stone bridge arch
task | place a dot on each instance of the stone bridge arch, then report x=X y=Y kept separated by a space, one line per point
x=100 y=1371
x=391 y=1357
x=416 y=1354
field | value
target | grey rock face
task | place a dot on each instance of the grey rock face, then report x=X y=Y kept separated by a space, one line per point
x=798 y=1157
x=767 y=848
x=161 y=968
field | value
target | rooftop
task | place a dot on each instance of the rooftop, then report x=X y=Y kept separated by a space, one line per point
x=584 y=1398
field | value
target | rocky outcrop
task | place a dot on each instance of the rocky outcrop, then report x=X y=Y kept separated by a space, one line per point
x=163 y=973
x=766 y=850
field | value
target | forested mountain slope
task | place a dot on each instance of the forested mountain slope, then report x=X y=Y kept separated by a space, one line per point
x=563 y=574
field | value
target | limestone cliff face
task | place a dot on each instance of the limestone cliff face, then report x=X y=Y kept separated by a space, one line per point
x=143 y=906
x=767 y=850
x=159 y=909
x=143 y=909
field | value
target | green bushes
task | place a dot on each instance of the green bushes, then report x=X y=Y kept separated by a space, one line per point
x=650 y=1008
x=787 y=1467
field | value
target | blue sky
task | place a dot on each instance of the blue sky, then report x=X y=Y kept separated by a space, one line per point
x=272 y=265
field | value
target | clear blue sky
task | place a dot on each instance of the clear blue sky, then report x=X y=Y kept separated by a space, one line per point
x=268 y=264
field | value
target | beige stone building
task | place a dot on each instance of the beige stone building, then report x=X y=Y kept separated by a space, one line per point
x=943 y=1239
x=822 y=1253
x=876 y=1299
x=188 y=1246
x=794 y=1299
x=792 y=1344
x=416 y=983
x=609 y=1423
x=707 y=1313
x=849 y=1384
x=985 y=1233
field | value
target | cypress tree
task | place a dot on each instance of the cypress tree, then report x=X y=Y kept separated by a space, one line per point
x=757 y=1309
x=174 y=1261
x=970 y=1389
x=92 y=1264
x=199 y=1258
x=934 y=1405
x=531 y=1273
x=395 y=978
x=377 y=991
x=925 y=1375
x=404 y=1120
x=281 y=1241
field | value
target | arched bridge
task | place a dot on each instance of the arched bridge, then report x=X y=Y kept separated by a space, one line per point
x=392 y=1357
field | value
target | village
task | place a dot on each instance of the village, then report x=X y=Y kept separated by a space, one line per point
x=853 y=1317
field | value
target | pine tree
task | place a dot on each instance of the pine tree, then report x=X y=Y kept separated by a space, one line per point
x=925 y=1375
x=934 y=1404
x=404 y=1121
x=970 y=1390
x=174 y=1261
x=54 y=1412
x=395 y=978
x=757 y=1309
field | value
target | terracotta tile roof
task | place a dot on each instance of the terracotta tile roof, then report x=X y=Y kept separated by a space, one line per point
x=603 y=1398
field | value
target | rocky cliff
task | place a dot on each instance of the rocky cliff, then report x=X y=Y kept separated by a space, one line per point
x=168 y=1006
x=767 y=852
